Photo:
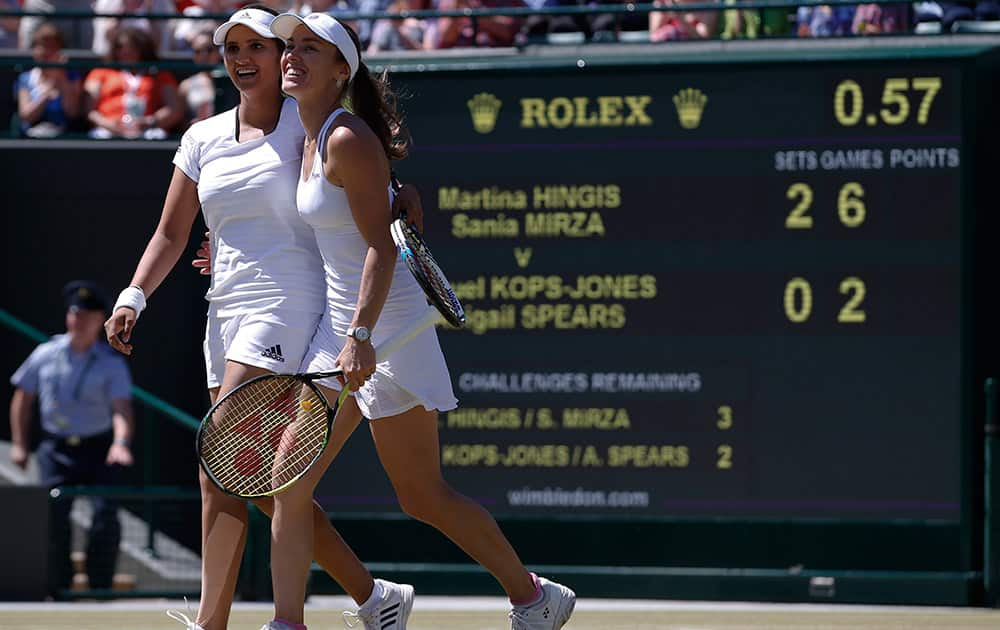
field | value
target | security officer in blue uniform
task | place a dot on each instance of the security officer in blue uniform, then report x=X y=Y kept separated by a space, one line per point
x=83 y=389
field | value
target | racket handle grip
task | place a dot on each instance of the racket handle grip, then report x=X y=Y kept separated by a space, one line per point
x=387 y=347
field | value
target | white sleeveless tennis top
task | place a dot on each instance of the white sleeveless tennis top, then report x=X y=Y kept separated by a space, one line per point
x=418 y=367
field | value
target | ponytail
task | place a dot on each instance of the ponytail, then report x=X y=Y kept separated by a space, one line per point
x=373 y=100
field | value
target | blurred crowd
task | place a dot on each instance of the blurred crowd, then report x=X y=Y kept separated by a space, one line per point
x=122 y=103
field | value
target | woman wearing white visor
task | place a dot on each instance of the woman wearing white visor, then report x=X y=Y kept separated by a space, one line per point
x=266 y=294
x=342 y=194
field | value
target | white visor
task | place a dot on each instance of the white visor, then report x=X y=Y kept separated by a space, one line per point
x=324 y=26
x=254 y=19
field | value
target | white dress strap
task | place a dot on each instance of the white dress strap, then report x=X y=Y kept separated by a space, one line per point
x=325 y=128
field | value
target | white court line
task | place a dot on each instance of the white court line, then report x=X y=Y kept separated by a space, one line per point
x=441 y=603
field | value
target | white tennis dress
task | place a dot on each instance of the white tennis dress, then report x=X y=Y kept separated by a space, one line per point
x=416 y=374
x=266 y=295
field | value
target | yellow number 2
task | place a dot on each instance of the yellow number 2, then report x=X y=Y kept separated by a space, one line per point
x=851 y=313
x=725 y=453
x=797 y=219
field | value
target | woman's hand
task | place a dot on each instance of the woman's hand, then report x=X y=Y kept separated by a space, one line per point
x=203 y=257
x=357 y=360
x=119 y=329
x=408 y=201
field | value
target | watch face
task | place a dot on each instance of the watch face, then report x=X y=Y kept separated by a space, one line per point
x=360 y=333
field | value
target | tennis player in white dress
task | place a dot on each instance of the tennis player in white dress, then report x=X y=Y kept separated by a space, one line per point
x=240 y=169
x=343 y=195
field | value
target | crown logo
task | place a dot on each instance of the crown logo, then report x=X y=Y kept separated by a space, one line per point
x=690 y=104
x=484 y=108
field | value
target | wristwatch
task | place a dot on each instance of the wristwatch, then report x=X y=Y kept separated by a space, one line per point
x=360 y=333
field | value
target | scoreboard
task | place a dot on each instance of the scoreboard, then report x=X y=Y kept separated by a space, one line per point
x=700 y=290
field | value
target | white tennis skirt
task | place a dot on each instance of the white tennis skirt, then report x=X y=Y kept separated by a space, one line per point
x=416 y=374
x=275 y=340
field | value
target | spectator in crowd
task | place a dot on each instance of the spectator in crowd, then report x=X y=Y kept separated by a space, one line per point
x=83 y=388
x=132 y=102
x=403 y=33
x=365 y=28
x=673 y=25
x=76 y=32
x=48 y=98
x=458 y=32
x=753 y=23
x=105 y=28
x=197 y=92
x=8 y=25
x=362 y=27
x=606 y=26
x=950 y=12
x=185 y=29
x=538 y=25
x=874 y=19
x=824 y=20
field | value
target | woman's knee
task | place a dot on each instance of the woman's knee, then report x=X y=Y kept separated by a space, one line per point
x=425 y=502
x=298 y=497
x=215 y=500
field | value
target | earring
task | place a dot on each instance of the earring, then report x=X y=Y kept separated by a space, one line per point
x=340 y=83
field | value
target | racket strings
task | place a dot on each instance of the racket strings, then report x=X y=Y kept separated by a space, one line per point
x=264 y=435
x=441 y=288
x=426 y=267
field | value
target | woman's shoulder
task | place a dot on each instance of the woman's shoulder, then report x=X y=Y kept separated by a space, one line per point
x=210 y=129
x=349 y=132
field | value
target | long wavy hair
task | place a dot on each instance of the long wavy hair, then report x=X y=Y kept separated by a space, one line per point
x=372 y=99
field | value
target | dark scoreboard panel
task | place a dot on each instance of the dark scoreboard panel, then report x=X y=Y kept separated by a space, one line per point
x=700 y=291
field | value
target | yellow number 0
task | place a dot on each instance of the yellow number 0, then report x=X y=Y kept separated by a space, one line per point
x=844 y=89
x=798 y=312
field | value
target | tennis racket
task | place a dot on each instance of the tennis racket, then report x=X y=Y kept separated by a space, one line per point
x=264 y=435
x=444 y=305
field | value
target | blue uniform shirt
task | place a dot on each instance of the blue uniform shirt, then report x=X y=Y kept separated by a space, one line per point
x=74 y=390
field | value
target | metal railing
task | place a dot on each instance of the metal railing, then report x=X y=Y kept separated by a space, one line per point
x=619 y=10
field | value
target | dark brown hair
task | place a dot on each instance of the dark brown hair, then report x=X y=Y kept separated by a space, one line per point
x=139 y=38
x=47 y=30
x=374 y=101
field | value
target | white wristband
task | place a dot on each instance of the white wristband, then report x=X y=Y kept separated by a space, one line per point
x=133 y=298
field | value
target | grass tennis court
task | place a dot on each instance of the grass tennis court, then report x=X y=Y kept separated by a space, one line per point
x=440 y=613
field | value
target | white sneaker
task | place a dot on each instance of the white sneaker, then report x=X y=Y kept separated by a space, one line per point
x=388 y=608
x=181 y=617
x=550 y=613
x=275 y=625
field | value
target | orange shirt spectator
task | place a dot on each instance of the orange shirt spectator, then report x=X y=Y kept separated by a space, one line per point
x=129 y=102
x=115 y=84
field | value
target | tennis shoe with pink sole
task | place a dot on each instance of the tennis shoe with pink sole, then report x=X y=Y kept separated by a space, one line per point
x=388 y=608
x=550 y=612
